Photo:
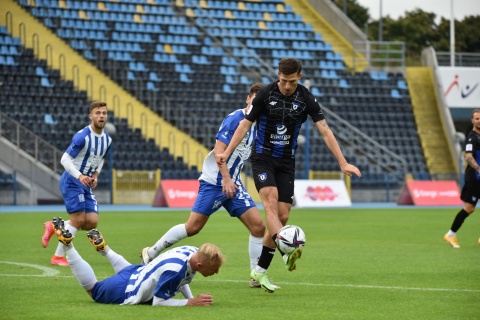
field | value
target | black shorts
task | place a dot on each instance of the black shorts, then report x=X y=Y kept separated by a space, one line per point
x=471 y=191
x=274 y=172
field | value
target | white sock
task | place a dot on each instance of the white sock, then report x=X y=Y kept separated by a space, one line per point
x=60 y=252
x=117 y=261
x=450 y=233
x=255 y=245
x=259 y=269
x=172 y=236
x=80 y=268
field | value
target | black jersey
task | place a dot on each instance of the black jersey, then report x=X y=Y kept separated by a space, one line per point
x=280 y=117
x=472 y=146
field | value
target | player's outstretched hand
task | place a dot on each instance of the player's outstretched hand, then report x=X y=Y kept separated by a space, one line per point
x=203 y=299
x=350 y=169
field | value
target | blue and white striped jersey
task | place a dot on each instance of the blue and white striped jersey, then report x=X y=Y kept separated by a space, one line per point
x=88 y=148
x=138 y=284
x=210 y=171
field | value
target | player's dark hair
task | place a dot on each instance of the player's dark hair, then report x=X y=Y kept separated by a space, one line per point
x=96 y=104
x=289 y=66
x=255 y=87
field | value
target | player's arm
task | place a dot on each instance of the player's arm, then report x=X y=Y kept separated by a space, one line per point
x=471 y=161
x=67 y=163
x=332 y=145
x=203 y=299
x=228 y=186
x=238 y=136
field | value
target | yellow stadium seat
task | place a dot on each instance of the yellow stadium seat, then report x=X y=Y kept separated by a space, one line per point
x=168 y=49
x=190 y=13
x=179 y=3
x=267 y=17
x=139 y=8
x=262 y=25
x=61 y=4
x=137 y=18
x=229 y=15
x=241 y=6
x=280 y=7
x=101 y=6
x=204 y=4
x=83 y=15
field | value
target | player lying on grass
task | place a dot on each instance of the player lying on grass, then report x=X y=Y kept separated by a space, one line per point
x=155 y=283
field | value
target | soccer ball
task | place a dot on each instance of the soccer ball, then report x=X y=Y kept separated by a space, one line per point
x=289 y=238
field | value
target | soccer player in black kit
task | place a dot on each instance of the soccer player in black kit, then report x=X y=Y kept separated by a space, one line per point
x=471 y=187
x=280 y=109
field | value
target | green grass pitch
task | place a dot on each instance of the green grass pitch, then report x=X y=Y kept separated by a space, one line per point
x=357 y=264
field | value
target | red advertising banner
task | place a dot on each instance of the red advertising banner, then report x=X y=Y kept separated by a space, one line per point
x=176 y=193
x=430 y=193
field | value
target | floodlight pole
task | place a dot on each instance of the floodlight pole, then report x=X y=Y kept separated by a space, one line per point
x=452 y=35
x=380 y=24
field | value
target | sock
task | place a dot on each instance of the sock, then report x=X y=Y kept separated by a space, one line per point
x=172 y=236
x=274 y=238
x=60 y=252
x=254 y=250
x=80 y=268
x=117 y=261
x=458 y=221
x=265 y=259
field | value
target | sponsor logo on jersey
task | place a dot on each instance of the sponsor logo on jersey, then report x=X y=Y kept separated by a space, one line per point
x=281 y=129
x=280 y=138
x=273 y=103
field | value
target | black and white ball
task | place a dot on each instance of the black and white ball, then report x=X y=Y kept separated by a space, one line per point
x=289 y=238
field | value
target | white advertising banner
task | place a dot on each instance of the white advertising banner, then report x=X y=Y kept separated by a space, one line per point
x=461 y=86
x=321 y=193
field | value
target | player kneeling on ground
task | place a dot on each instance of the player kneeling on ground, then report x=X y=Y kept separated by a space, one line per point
x=155 y=283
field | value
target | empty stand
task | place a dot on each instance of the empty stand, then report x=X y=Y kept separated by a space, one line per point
x=200 y=57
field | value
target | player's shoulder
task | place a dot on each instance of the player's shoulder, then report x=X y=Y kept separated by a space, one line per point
x=234 y=115
x=473 y=136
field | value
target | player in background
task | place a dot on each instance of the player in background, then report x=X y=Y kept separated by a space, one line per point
x=279 y=110
x=83 y=160
x=222 y=186
x=156 y=283
x=471 y=188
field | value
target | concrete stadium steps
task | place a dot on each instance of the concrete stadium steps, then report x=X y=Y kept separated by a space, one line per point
x=74 y=67
x=329 y=34
x=429 y=124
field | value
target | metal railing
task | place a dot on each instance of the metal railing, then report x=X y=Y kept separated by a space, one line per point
x=30 y=143
x=380 y=54
x=462 y=59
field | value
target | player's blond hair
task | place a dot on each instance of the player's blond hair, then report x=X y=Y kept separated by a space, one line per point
x=96 y=104
x=210 y=253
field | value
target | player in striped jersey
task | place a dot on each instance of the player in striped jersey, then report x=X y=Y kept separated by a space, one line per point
x=222 y=186
x=83 y=161
x=155 y=283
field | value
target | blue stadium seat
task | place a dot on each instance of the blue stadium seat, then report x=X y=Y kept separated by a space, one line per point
x=151 y=86
x=45 y=82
